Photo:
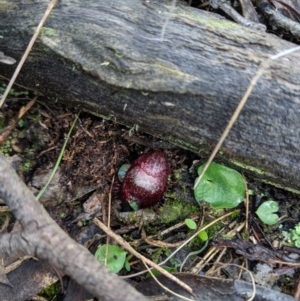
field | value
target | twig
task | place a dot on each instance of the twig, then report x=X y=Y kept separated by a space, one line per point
x=4 y=209
x=28 y=49
x=212 y=252
x=163 y=30
x=212 y=270
x=247 y=208
x=193 y=253
x=186 y=242
x=7 y=131
x=209 y=255
x=163 y=286
x=41 y=237
x=297 y=291
x=36 y=92
x=229 y=10
x=277 y=19
x=251 y=276
x=58 y=159
x=108 y=219
x=159 y=243
x=126 y=246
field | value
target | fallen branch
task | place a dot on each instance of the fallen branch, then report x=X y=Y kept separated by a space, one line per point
x=42 y=238
x=126 y=246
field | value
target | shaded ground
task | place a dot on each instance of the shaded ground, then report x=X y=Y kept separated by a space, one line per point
x=88 y=173
x=96 y=150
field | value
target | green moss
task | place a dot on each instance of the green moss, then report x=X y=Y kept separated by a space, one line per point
x=235 y=214
x=26 y=165
x=176 y=210
x=50 y=293
x=211 y=231
x=196 y=244
x=179 y=204
x=157 y=254
x=161 y=253
x=5 y=148
x=132 y=218
x=2 y=120
x=177 y=174
x=3 y=216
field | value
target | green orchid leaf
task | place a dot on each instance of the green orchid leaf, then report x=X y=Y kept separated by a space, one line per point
x=122 y=171
x=220 y=186
x=116 y=257
x=203 y=235
x=266 y=212
x=190 y=223
x=127 y=265
x=134 y=206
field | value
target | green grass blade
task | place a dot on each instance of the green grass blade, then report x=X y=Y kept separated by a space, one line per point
x=58 y=160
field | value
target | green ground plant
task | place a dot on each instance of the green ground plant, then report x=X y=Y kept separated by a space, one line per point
x=293 y=236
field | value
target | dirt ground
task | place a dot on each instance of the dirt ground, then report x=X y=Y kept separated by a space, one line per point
x=86 y=185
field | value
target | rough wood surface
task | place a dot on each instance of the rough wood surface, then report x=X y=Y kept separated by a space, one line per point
x=109 y=58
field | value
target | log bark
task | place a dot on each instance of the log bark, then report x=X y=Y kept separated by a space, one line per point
x=109 y=58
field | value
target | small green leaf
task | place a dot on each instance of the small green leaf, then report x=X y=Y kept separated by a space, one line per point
x=127 y=264
x=287 y=235
x=294 y=235
x=133 y=205
x=251 y=192
x=203 y=235
x=21 y=123
x=266 y=212
x=220 y=186
x=190 y=223
x=116 y=257
x=122 y=171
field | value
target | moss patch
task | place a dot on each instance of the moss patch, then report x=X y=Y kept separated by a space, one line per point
x=51 y=292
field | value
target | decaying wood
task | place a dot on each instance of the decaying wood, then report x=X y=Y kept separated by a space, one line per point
x=108 y=58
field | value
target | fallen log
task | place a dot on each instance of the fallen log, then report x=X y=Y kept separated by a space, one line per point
x=177 y=73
